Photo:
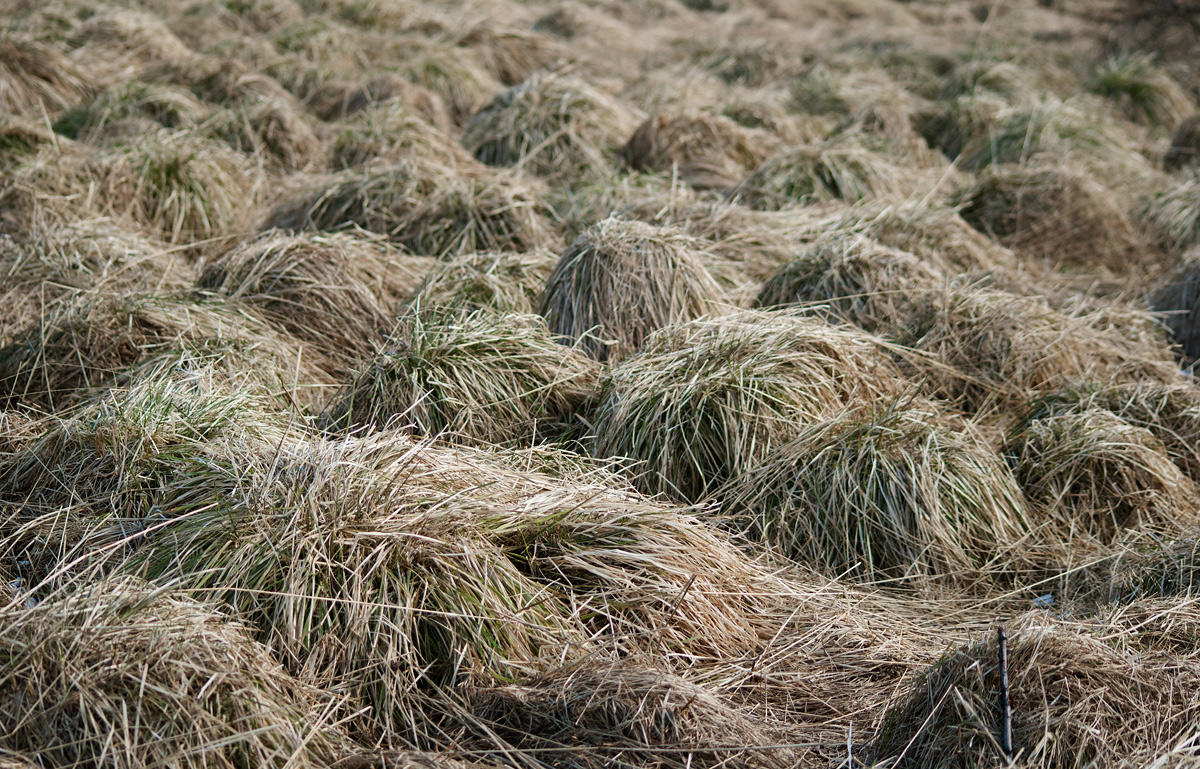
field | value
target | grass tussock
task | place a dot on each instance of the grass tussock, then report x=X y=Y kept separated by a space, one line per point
x=271 y=128
x=207 y=695
x=93 y=338
x=639 y=713
x=187 y=189
x=1184 y=151
x=1057 y=216
x=984 y=348
x=427 y=208
x=818 y=174
x=166 y=105
x=1174 y=213
x=553 y=125
x=1074 y=699
x=885 y=494
x=1169 y=572
x=335 y=292
x=338 y=100
x=706 y=151
x=1141 y=90
x=852 y=281
x=37 y=76
x=511 y=55
x=1097 y=476
x=707 y=400
x=478 y=378
x=505 y=283
x=622 y=279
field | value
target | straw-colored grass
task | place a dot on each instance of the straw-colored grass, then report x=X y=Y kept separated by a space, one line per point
x=391 y=132
x=336 y=292
x=707 y=400
x=820 y=173
x=1170 y=571
x=119 y=674
x=1052 y=128
x=706 y=151
x=885 y=492
x=506 y=283
x=626 y=712
x=38 y=76
x=1170 y=411
x=462 y=84
x=125 y=39
x=1184 y=151
x=188 y=189
x=553 y=125
x=169 y=106
x=854 y=280
x=478 y=378
x=1057 y=216
x=621 y=280
x=1097 y=476
x=1177 y=298
x=1174 y=213
x=1141 y=90
x=1075 y=701
x=984 y=348
x=430 y=209
x=272 y=128
x=338 y=100
x=94 y=337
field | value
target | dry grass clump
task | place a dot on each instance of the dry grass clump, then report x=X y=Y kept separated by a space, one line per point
x=122 y=675
x=38 y=270
x=188 y=189
x=819 y=173
x=92 y=337
x=1096 y=476
x=34 y=75
x=853 y=280
x=392 y=132
x=462 y=84
x=936 y=234
x=554 y=125
x=127 y=41
x=271 y=128
x=1174 y=213
x=1184 y=151
x=166 y=105
x=1170 y=571
x=335 y=292
x=1058 y=216
x=1075 y=701
x=706 y=400
x=1053 y=128
x=396 y=572
x=511 y=55
x=982 y=348
x=1177 y=298
x=593 y=714
x=430 y=209
x=1141 y=90
x=706 y=151
x=478 y=378
x=1171 y=411
x=885 y=493
x=622 y=279
x=506 y=283
x=337 y=100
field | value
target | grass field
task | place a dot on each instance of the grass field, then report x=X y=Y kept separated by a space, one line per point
x=644 y=384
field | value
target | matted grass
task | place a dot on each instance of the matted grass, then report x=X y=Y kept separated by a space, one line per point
x=1057 y=216
x=392 y=132
x=92 y=338
x=707 y=151
x=1174 y=213
x=432 y=210
x=335 y=292
x=1141 y=90
x=820 y=173
x=621 y=280
x=167 y=105
x=477 y=378
x=1184 y=151
x=124 y=675
x=1074 y=699
x=1096 y=477
x=885 y=492
x=554 y=125
x=629 y=712
x=707 y=400
x=852 y=280
x=506 y=282
x=37 y=76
